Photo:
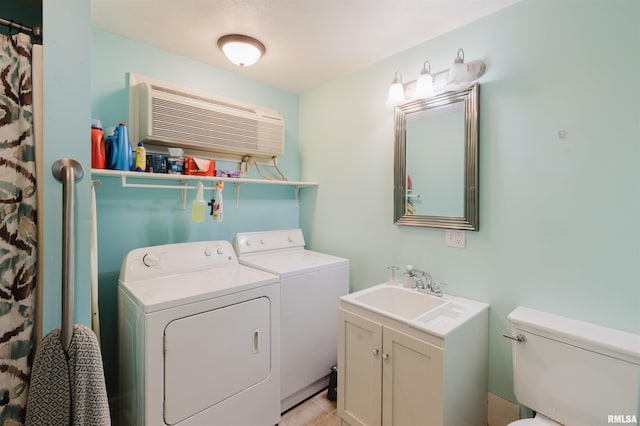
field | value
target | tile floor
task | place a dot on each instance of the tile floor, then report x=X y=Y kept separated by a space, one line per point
x=315 y=411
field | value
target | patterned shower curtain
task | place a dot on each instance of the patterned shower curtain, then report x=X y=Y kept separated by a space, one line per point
x=18 y=226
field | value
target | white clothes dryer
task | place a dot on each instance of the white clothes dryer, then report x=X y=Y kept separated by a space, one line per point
x=311 y=284
x=199 y=338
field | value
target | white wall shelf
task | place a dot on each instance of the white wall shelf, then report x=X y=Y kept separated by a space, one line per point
x=184 y=180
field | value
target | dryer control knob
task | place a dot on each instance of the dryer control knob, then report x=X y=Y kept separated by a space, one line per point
x=290 y=239
x=248 y=243
x=220 y=250
x=262 y=242
x=207 y=252
x=150 y=260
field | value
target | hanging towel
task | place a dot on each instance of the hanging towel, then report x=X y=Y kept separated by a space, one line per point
x=68 y=389
x=49 y=401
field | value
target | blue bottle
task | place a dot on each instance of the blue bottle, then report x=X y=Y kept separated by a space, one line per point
x=120 y=156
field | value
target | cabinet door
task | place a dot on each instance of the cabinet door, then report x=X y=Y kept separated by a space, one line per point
x=412 y=381
x=359 y=370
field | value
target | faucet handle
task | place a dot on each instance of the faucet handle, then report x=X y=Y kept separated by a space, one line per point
x=437 y=288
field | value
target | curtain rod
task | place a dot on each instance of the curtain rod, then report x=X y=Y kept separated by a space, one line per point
x=36 y=31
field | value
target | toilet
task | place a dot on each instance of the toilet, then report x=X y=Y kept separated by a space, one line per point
x=573 y=373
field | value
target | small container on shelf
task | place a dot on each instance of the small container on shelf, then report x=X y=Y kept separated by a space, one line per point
x=199 y=167
x=156 y=163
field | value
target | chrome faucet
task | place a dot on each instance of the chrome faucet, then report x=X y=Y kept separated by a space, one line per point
x=424 y=281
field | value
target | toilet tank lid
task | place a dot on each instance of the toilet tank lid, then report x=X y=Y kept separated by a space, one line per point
x=593 y=337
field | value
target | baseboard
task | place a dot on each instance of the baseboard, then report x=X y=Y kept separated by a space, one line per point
x=304 y=393
x=501 y=412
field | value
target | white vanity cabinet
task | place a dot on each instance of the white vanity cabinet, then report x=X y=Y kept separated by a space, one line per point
x=391 y=373
x=389 y=377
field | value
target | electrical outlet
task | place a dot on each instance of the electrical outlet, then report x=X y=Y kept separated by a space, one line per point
x=453 y=238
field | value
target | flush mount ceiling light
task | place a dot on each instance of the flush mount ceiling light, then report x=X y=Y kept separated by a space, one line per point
x=240 y=49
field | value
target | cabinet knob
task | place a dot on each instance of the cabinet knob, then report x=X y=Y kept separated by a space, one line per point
x=385 y=356
x=375 y=352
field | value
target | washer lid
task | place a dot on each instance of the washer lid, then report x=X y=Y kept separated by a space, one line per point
x=293 y=261
x=165 y=292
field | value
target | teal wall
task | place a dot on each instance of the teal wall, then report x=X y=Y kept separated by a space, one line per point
x=129 y=218
x=67 y=34
x=559 y=224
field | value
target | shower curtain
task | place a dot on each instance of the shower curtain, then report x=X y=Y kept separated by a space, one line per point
x=18 y=226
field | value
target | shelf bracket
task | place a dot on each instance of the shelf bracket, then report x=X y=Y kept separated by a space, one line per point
x=296 y=189
x=184 y=187
x=236 y=189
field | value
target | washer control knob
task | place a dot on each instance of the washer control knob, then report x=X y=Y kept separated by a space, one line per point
x=207 y=252
x=220 y=250
x=248 y=242
x=150 y=260
x=262 y=242
x=290 y=238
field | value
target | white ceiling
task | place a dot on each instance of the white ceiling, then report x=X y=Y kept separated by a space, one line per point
x=308 y=42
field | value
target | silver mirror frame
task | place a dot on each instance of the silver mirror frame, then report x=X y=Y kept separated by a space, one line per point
x=470 y=220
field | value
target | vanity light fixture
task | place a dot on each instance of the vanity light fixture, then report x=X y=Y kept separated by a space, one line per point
x=240 y=49
x=396 y=91
x=460 y=76
x=424 y=84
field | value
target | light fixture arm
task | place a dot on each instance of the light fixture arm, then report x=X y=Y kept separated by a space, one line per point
x=426 y=68
x=397 y=78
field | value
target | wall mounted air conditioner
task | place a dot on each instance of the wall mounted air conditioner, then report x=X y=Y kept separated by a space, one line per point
x=172 y=117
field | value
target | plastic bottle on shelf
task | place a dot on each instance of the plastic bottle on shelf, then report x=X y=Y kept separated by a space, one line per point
x=119 y=148
x=141 y=158
x=98 y=157
x=199 y=206
x=217 y=203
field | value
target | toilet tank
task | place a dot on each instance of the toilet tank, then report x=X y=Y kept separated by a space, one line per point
x=574 y=372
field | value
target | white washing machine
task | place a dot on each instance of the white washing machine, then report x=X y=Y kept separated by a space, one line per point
x=311 y=284
x=199 y=338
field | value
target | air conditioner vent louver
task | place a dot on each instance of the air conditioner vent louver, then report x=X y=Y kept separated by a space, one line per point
x=175 y=118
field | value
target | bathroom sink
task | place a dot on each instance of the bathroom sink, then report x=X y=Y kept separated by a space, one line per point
x=399 y=302
x=435 y=315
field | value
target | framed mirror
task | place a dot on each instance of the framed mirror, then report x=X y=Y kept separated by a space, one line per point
x=436 y=161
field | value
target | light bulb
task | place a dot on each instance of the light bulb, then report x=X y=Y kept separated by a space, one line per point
x=458 y=72
x=424 y=84
x=396 y=91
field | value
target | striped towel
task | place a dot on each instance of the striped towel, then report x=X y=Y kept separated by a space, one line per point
x=68 y=389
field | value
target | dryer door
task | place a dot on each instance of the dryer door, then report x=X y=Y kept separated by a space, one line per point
x=214 y=355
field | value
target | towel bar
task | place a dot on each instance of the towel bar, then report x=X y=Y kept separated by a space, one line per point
x=68 y=171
